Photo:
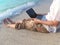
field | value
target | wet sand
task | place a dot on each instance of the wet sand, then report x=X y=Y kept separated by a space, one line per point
x=10 y=36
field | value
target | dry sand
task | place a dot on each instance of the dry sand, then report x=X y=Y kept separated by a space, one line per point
x=10 y=36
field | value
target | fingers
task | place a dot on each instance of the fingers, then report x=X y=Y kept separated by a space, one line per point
x=12 y=22
x=5 y=21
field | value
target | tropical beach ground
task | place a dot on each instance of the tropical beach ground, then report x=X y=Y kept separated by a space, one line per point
x=10 y=36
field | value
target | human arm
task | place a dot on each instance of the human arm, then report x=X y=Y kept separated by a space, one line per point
x=50 y=23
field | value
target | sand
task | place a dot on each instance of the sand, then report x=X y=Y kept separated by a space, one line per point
x=10 y=36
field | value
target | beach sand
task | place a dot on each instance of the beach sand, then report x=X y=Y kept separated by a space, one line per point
x=10 y=36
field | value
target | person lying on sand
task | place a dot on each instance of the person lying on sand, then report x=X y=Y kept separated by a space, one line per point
x=28 y=24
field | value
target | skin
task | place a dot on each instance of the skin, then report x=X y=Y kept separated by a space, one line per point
x=9 y=23
x=50 y=23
